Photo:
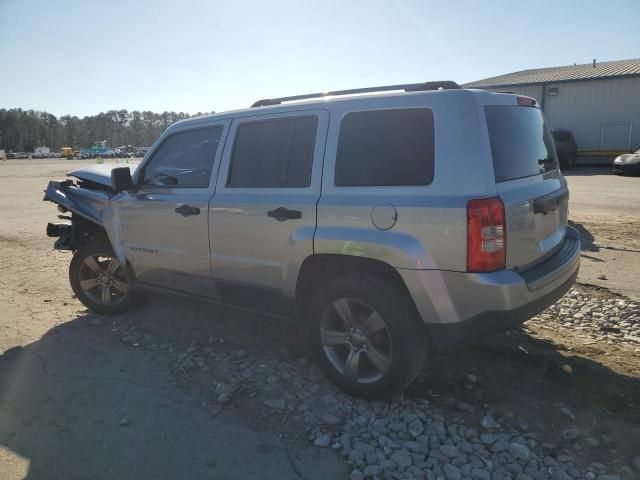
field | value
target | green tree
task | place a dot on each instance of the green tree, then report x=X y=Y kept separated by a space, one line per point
x=23 y=130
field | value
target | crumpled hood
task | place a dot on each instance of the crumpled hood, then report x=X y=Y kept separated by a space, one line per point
x=99 y=173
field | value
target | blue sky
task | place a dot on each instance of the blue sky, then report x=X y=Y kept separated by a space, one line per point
x=86 y=56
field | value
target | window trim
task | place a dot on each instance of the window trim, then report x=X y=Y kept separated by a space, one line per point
x=384 y=109
x=143 y=166
x=284 y=117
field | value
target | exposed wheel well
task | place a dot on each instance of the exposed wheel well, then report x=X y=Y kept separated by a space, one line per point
x=85 y=230
x=318 y=269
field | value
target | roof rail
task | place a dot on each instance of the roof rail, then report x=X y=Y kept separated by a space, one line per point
x=410 y=87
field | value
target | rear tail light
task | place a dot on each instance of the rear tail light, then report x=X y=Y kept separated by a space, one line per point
x=486 y=240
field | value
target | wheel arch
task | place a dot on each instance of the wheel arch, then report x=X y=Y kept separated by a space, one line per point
x=318 y=269
x=86 y=230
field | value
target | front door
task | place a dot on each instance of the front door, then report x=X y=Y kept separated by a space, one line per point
x=165 y=221
x=263 y=215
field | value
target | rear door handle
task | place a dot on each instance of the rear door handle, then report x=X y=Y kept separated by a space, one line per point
x=187 y=210
x=281 y=214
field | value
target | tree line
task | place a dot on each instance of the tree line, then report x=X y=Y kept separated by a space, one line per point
x=23 y=130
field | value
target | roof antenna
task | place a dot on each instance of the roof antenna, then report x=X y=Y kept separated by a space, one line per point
x=594 y=63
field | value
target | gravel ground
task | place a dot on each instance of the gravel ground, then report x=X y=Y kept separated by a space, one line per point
x=408 y=437
x=604 y=208
x=610 y=319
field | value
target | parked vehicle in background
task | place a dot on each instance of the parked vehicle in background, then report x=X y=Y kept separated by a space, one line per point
x=140 y=152
x=67 y=152
x=566 y=147
x=386 y=223
x=627 y=164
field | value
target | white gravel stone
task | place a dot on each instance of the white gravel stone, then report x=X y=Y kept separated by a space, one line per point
x=356 y=475
x=402 y=459
x=480 y=474
x=323 y=440
x=521 y=452
x=450 y=451
x=416 y=427
x=488 y=422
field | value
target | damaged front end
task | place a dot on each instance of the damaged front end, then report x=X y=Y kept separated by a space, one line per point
x=63 y=232
x=86 y=205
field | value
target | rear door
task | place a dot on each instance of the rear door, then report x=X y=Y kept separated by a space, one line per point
x=528 y=181
x=263 y=215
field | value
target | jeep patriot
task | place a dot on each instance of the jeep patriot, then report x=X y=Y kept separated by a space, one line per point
x=392 y=223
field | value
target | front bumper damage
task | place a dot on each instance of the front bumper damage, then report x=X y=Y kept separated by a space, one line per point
x=95 y=206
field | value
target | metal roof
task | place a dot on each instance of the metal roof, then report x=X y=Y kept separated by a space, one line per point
x=587 y=71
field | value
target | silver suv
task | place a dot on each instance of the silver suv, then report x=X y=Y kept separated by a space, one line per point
x=391 y=224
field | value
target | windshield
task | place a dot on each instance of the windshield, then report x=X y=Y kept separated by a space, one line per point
x=521 y=144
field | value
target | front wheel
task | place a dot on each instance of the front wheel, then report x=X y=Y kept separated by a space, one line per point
x=367 y=335
x=99 y=280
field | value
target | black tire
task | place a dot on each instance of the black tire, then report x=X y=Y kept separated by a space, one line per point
x=403 y=341
x=568 y=161
x=119 y=300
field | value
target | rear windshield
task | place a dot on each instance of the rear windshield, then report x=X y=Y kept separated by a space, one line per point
x=521 y=145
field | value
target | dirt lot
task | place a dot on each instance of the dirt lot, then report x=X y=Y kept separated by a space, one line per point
x=606 y=210
x=140 y=395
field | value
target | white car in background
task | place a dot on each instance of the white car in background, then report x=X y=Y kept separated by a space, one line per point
x=627 y=163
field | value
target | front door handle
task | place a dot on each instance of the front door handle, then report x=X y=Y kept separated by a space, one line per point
x=187 y=210
x=281 y=214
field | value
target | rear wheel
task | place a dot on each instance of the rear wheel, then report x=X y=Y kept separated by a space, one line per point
x=367 y=335
x=99 y=280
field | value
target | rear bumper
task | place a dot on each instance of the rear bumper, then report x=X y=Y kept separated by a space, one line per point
x=458 y=307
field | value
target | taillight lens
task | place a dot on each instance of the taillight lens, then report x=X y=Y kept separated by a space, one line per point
x=486 y=240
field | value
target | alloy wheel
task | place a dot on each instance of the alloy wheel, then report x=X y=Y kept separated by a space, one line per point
x=356 y=340
x=102 y=279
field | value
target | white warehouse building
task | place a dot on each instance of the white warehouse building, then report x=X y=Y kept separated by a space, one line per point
x=598 y=102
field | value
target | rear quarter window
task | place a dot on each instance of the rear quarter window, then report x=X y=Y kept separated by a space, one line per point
x=386 y=148
x=521 y=144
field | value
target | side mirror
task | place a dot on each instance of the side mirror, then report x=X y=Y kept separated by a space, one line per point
x=121 y=179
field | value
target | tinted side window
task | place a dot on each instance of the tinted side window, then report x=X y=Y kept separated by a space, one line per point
x=184 y=160
x=385 y=148
x=521 y=145
x=273 y=153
